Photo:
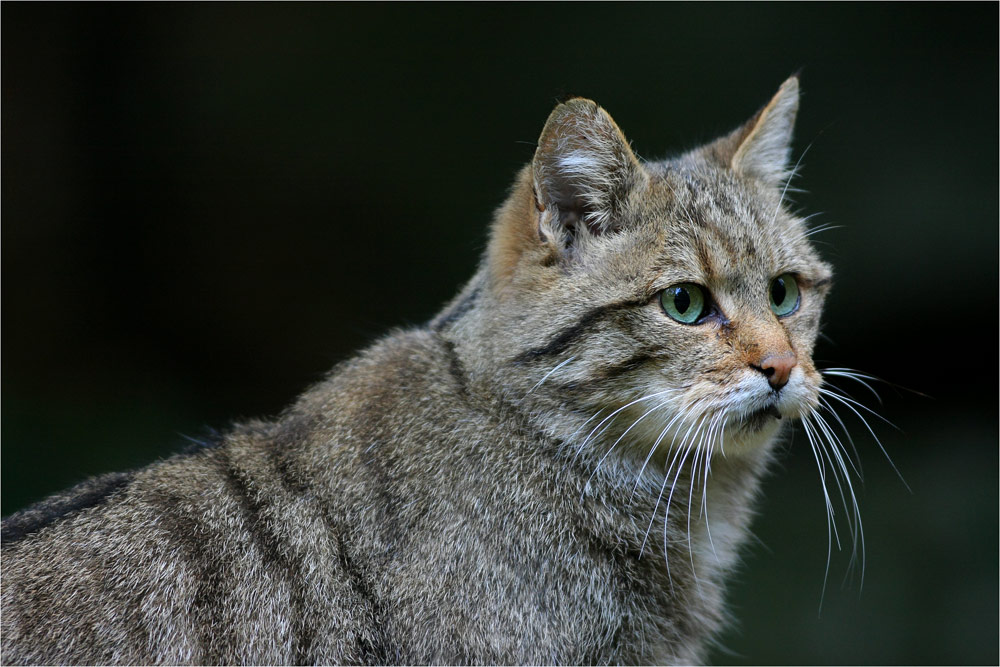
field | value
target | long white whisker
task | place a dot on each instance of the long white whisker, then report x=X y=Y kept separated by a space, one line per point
x=857 y=532
x=687 y=450
x=856 y=459
x=611 y=416
x=826 y=455
x=858 y=377
x=679 y=450
x=673 y=487
x=832 y=436
x=624 y=407
x=821 y=228
x=830 y=527
x=846 y=401
x=788 y=181
x=837 y=466
x=844 y=398
x=718 y=425
x=539 y=383
x=699 y=452
x=594 y=416
x=646 y=414
x=679 y=416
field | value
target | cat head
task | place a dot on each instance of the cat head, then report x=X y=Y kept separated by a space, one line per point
x=673 y=298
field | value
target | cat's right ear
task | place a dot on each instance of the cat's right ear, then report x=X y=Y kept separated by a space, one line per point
x=581 y=173
x=761 y=148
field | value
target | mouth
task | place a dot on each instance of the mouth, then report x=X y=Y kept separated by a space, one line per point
x=758 y=419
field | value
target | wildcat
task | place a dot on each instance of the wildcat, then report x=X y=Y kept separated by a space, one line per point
x=560 y=467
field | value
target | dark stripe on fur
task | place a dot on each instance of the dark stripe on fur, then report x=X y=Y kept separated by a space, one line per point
x=272 y=553
x=291 y=434
x=90 y=493
x=385 y=483
x=372 y=650
x=565 y=338
x=199 y=545
x=372 y=646
x=457 y=311
x=455 y=366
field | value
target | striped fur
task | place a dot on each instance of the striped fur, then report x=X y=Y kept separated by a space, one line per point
x=551 y=471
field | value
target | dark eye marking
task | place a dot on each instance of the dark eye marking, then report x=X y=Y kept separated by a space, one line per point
x=562 y=340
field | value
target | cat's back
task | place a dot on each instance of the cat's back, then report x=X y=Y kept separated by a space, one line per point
x=240 y=550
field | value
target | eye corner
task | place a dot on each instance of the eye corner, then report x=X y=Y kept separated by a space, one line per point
x=713 y=314
x=822 y=283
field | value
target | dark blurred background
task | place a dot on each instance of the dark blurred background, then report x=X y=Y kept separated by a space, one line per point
x=206 y=206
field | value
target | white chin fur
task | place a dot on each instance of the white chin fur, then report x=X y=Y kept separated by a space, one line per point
x=748 y=426
x=753 y=395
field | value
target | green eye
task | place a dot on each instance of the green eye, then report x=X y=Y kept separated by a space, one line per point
x=784 y=295
x=684 y=302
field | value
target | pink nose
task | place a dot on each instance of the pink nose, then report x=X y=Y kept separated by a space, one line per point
x=777 y=368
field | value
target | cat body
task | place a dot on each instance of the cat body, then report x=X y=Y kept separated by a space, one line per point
x=554 y=470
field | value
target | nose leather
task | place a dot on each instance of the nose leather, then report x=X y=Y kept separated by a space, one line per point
x=777 y=368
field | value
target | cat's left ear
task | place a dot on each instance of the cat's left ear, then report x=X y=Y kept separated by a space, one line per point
x=762 y=147
x=582 y=171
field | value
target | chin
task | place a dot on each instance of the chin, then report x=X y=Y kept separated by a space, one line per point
x=752 y=435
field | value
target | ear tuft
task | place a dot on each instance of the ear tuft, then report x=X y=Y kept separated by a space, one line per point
x=764 y=143
x=582 y=170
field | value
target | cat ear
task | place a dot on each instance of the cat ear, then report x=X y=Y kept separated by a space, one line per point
x=761 y=148
x=582 y=170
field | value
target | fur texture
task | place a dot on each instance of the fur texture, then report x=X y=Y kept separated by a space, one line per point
x=553 y=470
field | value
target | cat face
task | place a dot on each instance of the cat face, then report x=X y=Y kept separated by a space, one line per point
x=737 y=297
x=674 y=302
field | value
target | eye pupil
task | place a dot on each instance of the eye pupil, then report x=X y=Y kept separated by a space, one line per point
x=682 y=300
x=778 y=292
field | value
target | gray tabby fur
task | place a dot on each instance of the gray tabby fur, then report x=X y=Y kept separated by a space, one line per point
x=442 y=497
